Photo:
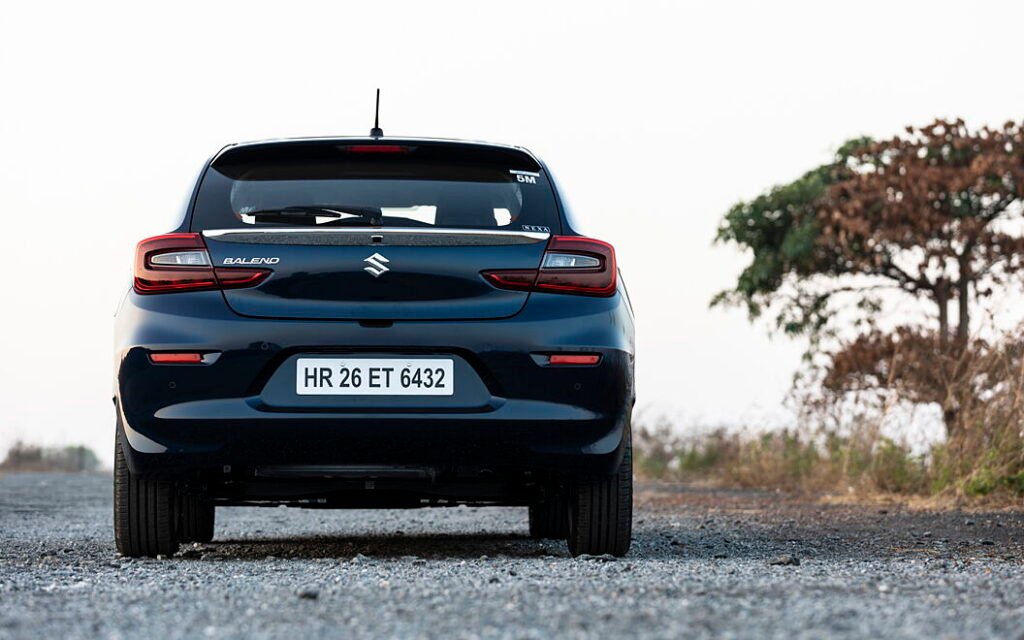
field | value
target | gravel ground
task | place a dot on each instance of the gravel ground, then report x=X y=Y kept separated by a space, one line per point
x=704 y=563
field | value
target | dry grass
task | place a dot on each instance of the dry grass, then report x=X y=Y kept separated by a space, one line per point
x=862 y=464
x=784 y=460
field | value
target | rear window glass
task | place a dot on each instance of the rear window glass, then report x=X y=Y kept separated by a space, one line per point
x=330 y=184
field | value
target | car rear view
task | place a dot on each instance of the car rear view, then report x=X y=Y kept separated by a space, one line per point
x=380 y=323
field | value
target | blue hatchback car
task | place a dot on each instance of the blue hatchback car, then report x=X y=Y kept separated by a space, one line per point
x=374 y=323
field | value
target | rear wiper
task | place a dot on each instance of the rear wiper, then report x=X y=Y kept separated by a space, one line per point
x=311 y=213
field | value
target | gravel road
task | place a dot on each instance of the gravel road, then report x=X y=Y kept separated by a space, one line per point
x=704 y=563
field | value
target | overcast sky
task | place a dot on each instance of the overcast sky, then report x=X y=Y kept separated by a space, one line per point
x=656 y=117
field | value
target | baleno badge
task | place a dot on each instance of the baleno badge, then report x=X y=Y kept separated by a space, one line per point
x=376 y=262
x=251 y=261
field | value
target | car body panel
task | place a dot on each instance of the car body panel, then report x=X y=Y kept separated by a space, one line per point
x=436 y=281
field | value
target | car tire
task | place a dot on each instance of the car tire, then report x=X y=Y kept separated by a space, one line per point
x=198 y=516
x=549 y=518
x=601 y=510
x=144 y=512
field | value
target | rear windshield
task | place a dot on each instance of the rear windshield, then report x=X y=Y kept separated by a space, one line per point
x=330 y=184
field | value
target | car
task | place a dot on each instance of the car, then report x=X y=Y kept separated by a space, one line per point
x=374 y=322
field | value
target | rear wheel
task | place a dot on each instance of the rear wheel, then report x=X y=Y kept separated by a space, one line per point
x=549 y=518
x=144 y=512
x=601 y=510
x=197 y=519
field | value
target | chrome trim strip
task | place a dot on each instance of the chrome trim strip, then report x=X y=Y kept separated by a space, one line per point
x=532 y=235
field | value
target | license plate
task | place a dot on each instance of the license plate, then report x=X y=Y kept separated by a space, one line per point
x=374 y=377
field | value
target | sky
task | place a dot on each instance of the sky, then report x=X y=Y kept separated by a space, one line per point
x=656 y=116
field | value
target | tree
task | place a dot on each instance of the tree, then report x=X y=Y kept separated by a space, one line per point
x=936 y=212
x=933 y=213
x=781 y=230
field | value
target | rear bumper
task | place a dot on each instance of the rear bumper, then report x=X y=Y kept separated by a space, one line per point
x=507 y=441
x=184 y=421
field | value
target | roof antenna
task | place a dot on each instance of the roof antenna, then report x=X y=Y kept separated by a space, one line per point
x=376 y=131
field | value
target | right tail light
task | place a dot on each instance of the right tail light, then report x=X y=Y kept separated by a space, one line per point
x=573 y=265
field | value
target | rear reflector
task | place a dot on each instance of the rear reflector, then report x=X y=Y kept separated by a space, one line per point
x=574 y=358
x=180 y=262
x=580 y=266
x=176 y=358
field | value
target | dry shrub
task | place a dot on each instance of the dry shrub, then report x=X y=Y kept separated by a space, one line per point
x=980 y=388
x=23 y=457
x=978 y=385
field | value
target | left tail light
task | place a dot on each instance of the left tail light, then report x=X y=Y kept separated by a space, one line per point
x=574 y=265
x=180 y=262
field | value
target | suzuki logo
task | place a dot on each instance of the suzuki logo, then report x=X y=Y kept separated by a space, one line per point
x=376 y=262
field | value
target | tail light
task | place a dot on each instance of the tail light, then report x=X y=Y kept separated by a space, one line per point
x=580 y=266
x=180 y=262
